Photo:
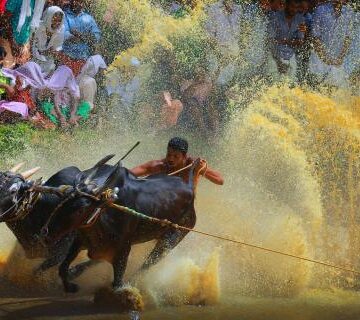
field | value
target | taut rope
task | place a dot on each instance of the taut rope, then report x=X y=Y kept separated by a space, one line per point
x=167 y=223
x=176 y=226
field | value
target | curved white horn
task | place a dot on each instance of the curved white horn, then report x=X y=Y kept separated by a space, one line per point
x=29 y=173
x=17 y=167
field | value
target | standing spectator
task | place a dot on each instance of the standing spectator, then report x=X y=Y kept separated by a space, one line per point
x=200 y=113
x=81 y=36
x=352 y=60
x=304 y=51
x=332 y=29
x=170 y=111
x=3 y=79
x=286 y=33
x=269 y=7
x=48 y=39
x=223 y=28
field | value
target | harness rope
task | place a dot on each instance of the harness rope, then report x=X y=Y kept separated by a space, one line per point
x=167 y=223
x=181 y=170
x=107 y=196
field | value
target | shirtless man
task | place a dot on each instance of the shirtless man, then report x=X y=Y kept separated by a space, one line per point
x=176 y=159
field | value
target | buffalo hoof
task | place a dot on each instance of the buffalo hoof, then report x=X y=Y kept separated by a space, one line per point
x=124 y=299
x=71 y=287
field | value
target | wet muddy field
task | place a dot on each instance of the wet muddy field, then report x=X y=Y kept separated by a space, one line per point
x=312 y=306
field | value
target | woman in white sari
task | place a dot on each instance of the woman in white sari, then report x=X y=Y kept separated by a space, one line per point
x=48 y=39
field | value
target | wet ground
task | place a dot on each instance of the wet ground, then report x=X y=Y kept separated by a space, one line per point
x=314 y=305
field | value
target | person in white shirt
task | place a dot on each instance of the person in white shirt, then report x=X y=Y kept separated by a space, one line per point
x=223 y=27
x=332 y=33
x=86 y=79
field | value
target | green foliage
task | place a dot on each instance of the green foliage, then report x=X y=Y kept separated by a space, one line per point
x=190 y=53
x=170 y=66
x=14 y=139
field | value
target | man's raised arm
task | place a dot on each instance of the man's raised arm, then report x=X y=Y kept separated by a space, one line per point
x=211 y=174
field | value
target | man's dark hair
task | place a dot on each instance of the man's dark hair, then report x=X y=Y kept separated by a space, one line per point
x=178 y=144
x=3 y=52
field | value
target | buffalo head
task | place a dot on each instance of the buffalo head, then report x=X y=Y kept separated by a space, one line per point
x=83 y=207
x=12 y=191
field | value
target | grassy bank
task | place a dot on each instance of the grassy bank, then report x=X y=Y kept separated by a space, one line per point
x=17 y=139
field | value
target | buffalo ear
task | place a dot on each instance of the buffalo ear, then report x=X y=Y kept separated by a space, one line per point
x=92 y=172
x=111 y=180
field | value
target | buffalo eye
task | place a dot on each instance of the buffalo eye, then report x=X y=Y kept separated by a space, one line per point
x=14 y=188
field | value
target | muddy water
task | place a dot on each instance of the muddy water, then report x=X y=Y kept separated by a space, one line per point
x=292 y=184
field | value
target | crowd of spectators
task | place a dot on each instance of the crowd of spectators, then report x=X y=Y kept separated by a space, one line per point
x=48 y=62
x=306 y=42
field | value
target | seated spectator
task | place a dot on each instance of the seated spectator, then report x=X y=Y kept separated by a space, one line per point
x=9 y=60
x=20 y=20
x=16 y=102
x=11 y=105
x=331 y=31
x=3 y=79
x=54 y=92
x=64 y=109
x=23 y=17
x=81 y=36
x=126 y=85
x=286 y=33
x=86 y=79
x=48 y=39
x=170 y=111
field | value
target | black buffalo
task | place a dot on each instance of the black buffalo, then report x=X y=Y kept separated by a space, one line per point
x=26 y=221
x=111 y=236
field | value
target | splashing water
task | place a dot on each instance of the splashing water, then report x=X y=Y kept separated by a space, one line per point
x=279 y=193
x=292 y=170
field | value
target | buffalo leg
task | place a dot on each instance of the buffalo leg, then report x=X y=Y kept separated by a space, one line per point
x=119 y=264
x=168 y=242
x=80 y=268
x=49 y=263
x=64 y=267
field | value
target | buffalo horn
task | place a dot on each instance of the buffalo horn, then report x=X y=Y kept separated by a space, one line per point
x=29 y=173
x=110 y=181
x=93 y=171
x=17 y=167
